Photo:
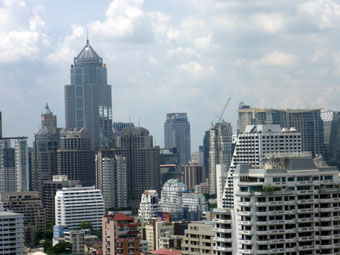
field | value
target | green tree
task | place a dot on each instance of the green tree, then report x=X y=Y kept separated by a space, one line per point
x=60 y=248
x=86 y=225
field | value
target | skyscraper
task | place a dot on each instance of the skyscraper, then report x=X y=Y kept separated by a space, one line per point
x=142 y=162
x=75 y=158
x=88 y=102
x=307 y=121
x=220 y=150
x=111 y=177
x=45 y=150
x=177 y=134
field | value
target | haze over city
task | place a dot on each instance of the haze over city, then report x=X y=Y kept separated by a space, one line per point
x=170 y=56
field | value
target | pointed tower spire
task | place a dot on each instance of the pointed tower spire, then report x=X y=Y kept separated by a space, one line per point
x=87 y=36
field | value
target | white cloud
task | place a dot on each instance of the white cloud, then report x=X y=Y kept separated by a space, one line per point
x=324 y=14
x=270 y=23
x=23 y=33
x=276 y=59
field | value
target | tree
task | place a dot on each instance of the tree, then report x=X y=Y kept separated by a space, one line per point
x=60 y=248
x=86 y=225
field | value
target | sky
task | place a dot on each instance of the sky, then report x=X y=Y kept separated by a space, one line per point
x=170 y=56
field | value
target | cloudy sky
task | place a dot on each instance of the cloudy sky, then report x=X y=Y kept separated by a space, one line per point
x=170 y=56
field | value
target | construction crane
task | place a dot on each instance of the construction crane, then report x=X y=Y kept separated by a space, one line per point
x=225 y=107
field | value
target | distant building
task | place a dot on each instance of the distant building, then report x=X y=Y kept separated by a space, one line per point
x=111 y=177
x=49 y=191
x=202 y=188
x=194 y=205
x=79 y=204
x=88 y=100
x=307 y=122
x=11 y=233
x=75 y=156
x=142 y=159
x=45 y=150
x=171 y=198
x=198 y=239
x=14 y=164
x=148 y=207
x=220 y=150
x=77 y=239
x=331 y=127
x=117 y=128
x=120 y=235
x=177 y=134
x=194 y=174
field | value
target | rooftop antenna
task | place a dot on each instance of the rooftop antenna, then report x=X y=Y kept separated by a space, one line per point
x=138 y=121
x=87 y=36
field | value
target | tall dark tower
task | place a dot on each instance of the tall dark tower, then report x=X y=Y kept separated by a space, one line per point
x=88 y=102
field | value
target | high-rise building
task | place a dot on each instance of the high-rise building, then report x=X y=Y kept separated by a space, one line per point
x=45 y=150
x=194 y=174
x=28 y=204
x=223 y=228
x=206 y=151
x=288 y=205
x=11 y=233
x=306 y=121
x=220 y=150
x=148 y=207
x=88 y=102
x=75 y=205
x=14 y=164
x=171 y=198
x=252 y=146
x=194 y=205
x=177 y=134
x=331 y=128
x=49 y=191
x=75 y=157
x=120 y=235
x=111 y=177
x=142 y=162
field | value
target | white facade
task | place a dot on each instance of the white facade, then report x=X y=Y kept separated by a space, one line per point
x=148 y=206
x=288 y=206
x=223 y=228
x=171 y=197
x=251 y=147
x=194 y=203
x=11 y=233
x=76 y=205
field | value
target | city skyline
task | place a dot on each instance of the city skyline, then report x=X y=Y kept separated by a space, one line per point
x=206 y=50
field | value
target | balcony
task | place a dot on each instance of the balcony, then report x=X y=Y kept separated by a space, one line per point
x=223 y=240
x=222 y=230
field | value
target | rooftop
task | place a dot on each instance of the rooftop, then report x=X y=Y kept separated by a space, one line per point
x=165 y=252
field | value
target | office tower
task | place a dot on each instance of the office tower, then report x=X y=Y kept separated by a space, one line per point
x=198 y=156
x=111 y=178
x=252 y=146
x=120 y=235
x=331 y=128
x=142 y=162
x=0 y=125
x=75 y=157
x=206 y=151
x=30 y=167
x=117 y=128
x=223 y=229
x=290 y=204
x=220 y=150
x=171 y=198
x=11 y=233
x=148 y=207
x=306 y=121
x=177 y=134
x=88 y=98
x=198 y=238
x=194 y=205
x=14 y=169
x=194 y=174
x=28 y=204
x=45 y=150
x=79 y=204
x=170 y=167
x=49 y=191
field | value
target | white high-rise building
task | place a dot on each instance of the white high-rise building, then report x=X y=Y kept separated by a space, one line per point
x=171 y=198
x=256 y=142
x=289 y=205
x=148 y=206
x=195 y=204
x=11 y=233
x=76 y=205
x=111 y=178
